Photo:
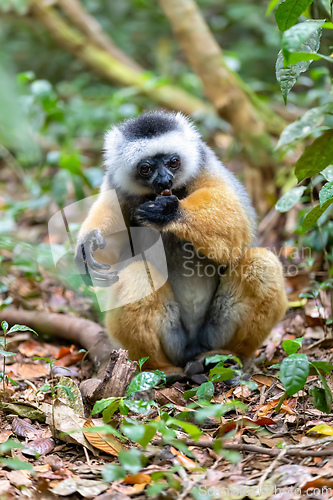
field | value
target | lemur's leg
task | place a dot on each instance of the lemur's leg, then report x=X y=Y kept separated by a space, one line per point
x=249 y=301
x=149 y=326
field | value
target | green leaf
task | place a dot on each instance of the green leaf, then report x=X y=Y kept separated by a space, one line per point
x=325 y=366
x=4 y=326
x=21 y=328
x=7 y=353
x=139 y=433
x=131 y=460
x=295 y=57
x=328 y=393
x=67 y=390
x=318 y=399
x=111 y=409
x=305 y=125
x=316 y=157
x=289 y=199
x=220 y=373
x=311 y=217
x=294 y=372
x=291 y=346
x=221 y=358
x=271 y=6
x=328 y=173
x=206 y=391
x=44 y=388
x=326 y=193
x=59 y=186
x=143 y=382
x=191 y=429
x=139 y=405
x=142 y=361
x=9 y=445
x=105 y=429
x=253 y=386
x=294 y=37
x=112 y=473
x=101 y=404
x=287 y=75
x=231 y=455
x=289 y=11
x=16 y=464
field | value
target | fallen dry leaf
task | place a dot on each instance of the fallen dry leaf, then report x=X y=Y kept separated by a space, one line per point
x=263 y=379
x=105 y=442
x=319 y=482
x=88 y=488
x=243 y=422
x=183 y=459
x=24 y=429
x=324 y=429
x=242 y=392
x=4 y=435
x=41 y=446
x=66 y=420
x=28 y=371
x=170 y=395
x=19 y=478
x=138 y=479
x=69 y=359
x=33 y=348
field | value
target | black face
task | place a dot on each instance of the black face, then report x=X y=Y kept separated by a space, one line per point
x=158 y=172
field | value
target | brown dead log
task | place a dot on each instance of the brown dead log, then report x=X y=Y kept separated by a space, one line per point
x=81 y=331
x=112 y=381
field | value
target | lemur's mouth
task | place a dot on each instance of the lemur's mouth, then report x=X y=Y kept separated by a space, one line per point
x=166 y=192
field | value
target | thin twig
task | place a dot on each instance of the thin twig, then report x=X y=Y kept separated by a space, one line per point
x=293 y=450
x=272 y=467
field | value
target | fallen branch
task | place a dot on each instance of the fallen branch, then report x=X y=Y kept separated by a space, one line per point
x=295 y=450
x=78 y=330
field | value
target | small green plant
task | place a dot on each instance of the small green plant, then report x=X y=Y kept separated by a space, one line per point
x=143 y=432
x=13 y=463
x=219 y=373
x=53 y=387
x=294 y=371
x=3 y=351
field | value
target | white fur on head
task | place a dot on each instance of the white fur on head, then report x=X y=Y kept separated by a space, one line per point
x=122 y=155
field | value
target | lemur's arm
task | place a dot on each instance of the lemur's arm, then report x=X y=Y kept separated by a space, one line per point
x=102 y=229
x=211 y=217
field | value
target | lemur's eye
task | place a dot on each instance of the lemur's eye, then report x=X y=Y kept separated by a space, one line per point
x=174 y=163
x=145 y=169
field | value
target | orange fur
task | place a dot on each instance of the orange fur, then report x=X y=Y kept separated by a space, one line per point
x=137 y=326
x=213 y=220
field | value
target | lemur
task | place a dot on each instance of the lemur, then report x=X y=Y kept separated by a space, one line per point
x=166 y=178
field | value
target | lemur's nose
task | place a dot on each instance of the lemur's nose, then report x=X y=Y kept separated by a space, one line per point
x=164 y=184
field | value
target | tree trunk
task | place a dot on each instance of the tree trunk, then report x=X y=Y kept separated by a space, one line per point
x=112 y=69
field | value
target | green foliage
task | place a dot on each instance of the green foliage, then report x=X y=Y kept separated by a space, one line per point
x=289 y=199
x=316 y=157
x=289 y=11
x=294 y=371
x=13 y=463
x=287 y=75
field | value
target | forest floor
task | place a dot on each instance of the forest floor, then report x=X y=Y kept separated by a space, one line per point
x=286 y=451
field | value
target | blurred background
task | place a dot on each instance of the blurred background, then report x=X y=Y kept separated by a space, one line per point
x=70 y=69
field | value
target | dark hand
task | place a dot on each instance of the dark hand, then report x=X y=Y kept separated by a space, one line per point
x=158 y=212
x=89 y=267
